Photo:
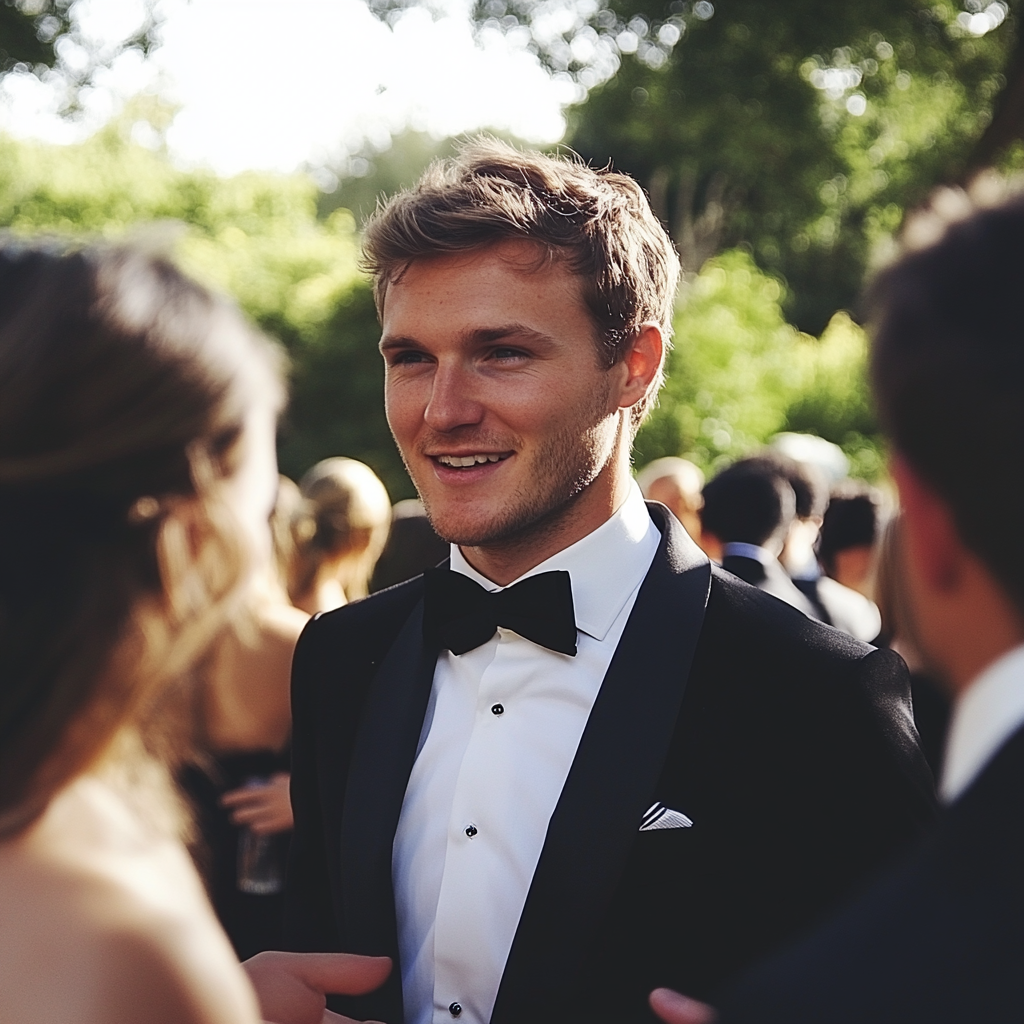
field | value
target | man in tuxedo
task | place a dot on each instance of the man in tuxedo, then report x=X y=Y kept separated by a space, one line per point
x=748 y=511
x=941 y=938
x=832 y=603
x=578 y=745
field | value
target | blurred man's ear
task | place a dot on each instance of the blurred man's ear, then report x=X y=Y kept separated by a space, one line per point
x=933 y=545
x=962 y=617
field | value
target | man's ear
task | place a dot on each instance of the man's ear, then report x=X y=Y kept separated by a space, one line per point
x=642 y=362
x=932 y=542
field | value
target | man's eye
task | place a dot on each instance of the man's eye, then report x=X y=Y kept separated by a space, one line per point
x=508 y=353
x=407 y=357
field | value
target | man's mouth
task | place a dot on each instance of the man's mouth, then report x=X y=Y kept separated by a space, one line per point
x=467 y=461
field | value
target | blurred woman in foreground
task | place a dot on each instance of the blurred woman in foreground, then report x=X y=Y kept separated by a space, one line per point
x=136 y=475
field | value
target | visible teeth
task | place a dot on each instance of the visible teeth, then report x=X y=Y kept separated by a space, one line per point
x=468 y=460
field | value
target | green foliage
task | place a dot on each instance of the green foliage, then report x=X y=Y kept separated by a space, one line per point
x=801 y=128
x=739 y=373
x=254 y=236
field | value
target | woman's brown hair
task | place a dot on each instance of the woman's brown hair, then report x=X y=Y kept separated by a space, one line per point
x=124 y=390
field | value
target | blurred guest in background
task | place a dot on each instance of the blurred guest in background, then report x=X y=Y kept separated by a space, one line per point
x=940 y=939
x=747 y=513
x=676 y=483
x=412 y=547
x=931 y=703
x=137 y=470
x=833 y=604
x=339 y=536
x=239 y=786
x=849 y=534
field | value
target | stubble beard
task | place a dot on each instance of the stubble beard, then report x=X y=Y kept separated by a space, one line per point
x=564 y=467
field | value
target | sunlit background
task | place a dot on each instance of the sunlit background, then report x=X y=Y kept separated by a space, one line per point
x=272 y=86
x=782 y=143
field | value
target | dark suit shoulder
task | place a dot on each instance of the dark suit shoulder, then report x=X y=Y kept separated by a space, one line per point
x=372 y=623
x=773 y=626
x=939 y=939
x=782 y=663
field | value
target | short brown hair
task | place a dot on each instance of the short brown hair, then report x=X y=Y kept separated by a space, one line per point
x=598 y=223
x=124 y=389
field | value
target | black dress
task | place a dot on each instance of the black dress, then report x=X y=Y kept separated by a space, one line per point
x=253 y=922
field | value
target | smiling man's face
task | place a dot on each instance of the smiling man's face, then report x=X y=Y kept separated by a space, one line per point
x=497 y=399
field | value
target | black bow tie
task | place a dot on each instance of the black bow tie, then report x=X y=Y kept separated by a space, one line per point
x=459 y=614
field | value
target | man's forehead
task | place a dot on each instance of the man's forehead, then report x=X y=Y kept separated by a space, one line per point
x=520 y=256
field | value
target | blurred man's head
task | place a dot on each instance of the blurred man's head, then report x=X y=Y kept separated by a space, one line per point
x=676 y=483
x=524 y=301
x=849 y=535
x=810 y=491
x=748 y=503
x=948 y=375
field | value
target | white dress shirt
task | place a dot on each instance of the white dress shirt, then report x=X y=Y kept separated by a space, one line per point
x=499 y=737
x=986 y=715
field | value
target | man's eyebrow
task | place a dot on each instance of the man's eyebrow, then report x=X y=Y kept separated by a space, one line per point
x=397 y=341
x=479 y=335
x=510 y=330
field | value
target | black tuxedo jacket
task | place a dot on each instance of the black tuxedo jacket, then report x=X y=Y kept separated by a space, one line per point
x=789 y=745
x=940 y=939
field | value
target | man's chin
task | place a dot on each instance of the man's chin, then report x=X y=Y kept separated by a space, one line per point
x=499 y=527
x=472 y=531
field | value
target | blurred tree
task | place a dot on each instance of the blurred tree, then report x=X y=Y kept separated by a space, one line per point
x=802 y=128
x=44 y=36
x=739 y=373
x=255 y=236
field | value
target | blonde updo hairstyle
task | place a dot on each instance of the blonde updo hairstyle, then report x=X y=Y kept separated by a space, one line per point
x=124 y=389
x=347 y=509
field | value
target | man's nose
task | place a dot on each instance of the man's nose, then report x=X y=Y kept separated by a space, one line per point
x=452 y=403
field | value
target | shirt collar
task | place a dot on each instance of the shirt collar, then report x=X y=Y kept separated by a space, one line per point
x=740 y=549
x=605 y=567
x=986 y=714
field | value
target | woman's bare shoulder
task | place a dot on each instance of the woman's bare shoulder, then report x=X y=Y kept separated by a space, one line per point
x=102 y=923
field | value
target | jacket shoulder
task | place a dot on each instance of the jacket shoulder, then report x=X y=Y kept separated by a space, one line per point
x=366 y=623
x=771 y=628
x=345 y=645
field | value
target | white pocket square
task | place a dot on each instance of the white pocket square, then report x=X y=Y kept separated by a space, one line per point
x=660 y=816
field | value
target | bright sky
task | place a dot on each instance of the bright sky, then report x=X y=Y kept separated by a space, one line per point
x=271 y=84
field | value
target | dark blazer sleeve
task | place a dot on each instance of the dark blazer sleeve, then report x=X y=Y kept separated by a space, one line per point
x=309 y=915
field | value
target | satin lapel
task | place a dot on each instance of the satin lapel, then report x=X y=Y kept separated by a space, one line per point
x=381 y=763
x=609 y=786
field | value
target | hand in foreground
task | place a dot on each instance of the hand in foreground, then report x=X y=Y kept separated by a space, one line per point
x=675 y=1008
x=265 y=809
x=292 y=987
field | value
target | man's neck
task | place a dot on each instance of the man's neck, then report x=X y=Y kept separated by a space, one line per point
x=507 y=560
